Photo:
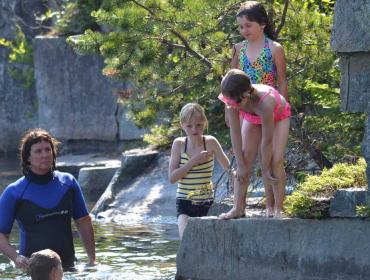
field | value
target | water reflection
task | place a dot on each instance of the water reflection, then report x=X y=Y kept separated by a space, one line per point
x=126 y=251
x=140 y=252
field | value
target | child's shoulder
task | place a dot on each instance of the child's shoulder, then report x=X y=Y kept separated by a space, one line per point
x=237 y=46
x=275 y=46
x=210 y=139
x=179 y=141
x=178 y=145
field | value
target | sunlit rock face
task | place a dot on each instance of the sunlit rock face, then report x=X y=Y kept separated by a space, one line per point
x=69 y=96
x=18 y=106
x=350 y=38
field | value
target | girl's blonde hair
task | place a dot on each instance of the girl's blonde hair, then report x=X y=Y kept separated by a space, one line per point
x=191 y=110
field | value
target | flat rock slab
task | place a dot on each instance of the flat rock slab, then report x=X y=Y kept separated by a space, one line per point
x=73 y=163
x=263 y=248
x=345 y=201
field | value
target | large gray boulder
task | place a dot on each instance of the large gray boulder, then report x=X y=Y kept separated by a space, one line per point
x=74 y=163
x=70 y=97
x=344 y=202
x=94 y=180
x=276 y=249
x=134 y=163
x=350 y=38
x=73 y=101
x=18 y=106
x=350 y=31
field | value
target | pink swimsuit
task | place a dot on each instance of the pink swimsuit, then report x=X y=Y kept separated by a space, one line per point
x=279 y=114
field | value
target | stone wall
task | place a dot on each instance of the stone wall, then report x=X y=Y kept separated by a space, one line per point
x=274 y=249
x=350 y=39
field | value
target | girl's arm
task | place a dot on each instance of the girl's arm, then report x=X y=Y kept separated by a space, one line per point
x=236 y=141
x=233 y=65
x=234 y=57
x=175 y=172
x=280 y=63
x=219 y=153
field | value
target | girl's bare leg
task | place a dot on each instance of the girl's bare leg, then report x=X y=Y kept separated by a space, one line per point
x=240 y=194
x=270 y=200
x=269 y=194
x=182 y=221
x=251 y=137
x=279 y=143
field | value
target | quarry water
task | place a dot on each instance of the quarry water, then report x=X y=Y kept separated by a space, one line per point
x=125 y=251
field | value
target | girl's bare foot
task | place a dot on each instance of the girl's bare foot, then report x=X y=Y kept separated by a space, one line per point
x=279 y=215
x=232 y=214
x=269 y=213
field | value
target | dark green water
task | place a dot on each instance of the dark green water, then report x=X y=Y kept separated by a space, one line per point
x=123 y=252
x=131 y=251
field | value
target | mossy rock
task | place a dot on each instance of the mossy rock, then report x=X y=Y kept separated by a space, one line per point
x=312 y=197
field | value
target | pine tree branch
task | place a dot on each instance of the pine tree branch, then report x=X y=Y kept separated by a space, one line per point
x=170 y=44
x=32 y=27
x=282 y=22
x=145 y=8
x=190 y=50
x=180 y=36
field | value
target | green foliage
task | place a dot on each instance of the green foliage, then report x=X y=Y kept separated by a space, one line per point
x=306 y=40
x=74 y=16
x=336 y=133
x=324 y=6
x=158 y=136
x=303 y=206
x=175 y=52
x=305 y=200
x=314 y=80
x=362 y=211
x=20 y=59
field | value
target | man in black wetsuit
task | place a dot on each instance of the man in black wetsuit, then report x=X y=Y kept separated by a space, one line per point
x=43 y=202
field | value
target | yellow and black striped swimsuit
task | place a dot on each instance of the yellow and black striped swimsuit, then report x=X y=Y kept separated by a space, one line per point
x=196 y=185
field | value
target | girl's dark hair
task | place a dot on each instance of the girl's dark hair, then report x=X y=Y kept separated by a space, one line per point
x=31 y=137
x=235 y=84
x=254 y=11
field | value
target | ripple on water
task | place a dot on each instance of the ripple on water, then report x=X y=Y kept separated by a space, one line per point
x=146 y=252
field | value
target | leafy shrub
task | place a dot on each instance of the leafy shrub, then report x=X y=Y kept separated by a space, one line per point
x=158 y=136
x=306 y=201
x=75 y=17
x=20 y=59
x=363 y=211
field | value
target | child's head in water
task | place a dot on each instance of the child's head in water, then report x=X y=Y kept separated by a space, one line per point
x=235 y=86
x=193 y=119
x=46 y=265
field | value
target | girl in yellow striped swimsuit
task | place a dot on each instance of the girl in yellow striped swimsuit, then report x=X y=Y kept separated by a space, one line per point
x=191 y=165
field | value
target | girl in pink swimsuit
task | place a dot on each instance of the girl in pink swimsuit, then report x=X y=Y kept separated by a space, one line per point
x=280 y=111
x=263 y=60
x=268 y=115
